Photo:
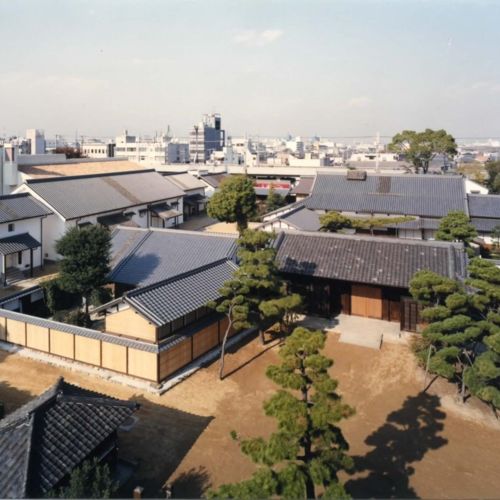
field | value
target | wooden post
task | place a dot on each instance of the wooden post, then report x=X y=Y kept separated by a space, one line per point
x=31 y=263
x=4 y=270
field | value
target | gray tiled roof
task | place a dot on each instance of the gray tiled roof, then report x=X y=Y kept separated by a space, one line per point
x=78 y=330
x=484 y=225
x=303 y=218
x=20 y=206
x=423 y=195
x=75 y=197
x=186 y=182
x=214 y=180
x=173 y=298
x=44 y=440
x=264 y=191
x=367 y=259
x=143 y=257
x=420 y=223
x=484 y=205
x=304 y=186
x=17 y=243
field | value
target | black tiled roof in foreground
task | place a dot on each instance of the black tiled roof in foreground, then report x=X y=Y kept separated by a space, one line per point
x=367 y=259
x=44 y=440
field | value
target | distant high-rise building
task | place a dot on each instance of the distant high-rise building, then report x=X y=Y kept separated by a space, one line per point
x=205 y=138
x=36 y=141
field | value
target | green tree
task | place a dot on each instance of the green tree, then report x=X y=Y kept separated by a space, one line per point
x=285 y=310
x=90 y=480
x=460 y=321
x=493 y=182
x=333 y=222
x=456 y=227
x=420 y=148
x=234 y=306
x=483 y=377
x=85 y=263
x=258 y=273
x=495 y=237
x=234 y=202
x=308 y=450
x=451 y=329
x=372 y=223
x=274 y=200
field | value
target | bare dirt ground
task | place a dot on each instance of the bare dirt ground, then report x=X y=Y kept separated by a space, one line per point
x=405 y=443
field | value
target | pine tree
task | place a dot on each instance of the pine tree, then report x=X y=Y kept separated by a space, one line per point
x=456 y=227
x=258 y=272
x=306 y=453
x=235 y=307
x=284 y=310
x=334 y=222
x=483 y=377
x=462 y=339
x=90 y=480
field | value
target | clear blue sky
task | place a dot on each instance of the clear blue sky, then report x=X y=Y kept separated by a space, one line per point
x=332 y=68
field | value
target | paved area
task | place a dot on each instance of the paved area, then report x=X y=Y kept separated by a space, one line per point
x=366 y=332
x=48 y=272
x=197 y=222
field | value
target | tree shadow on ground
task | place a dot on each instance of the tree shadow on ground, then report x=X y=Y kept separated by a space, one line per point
x=406 y=436
x=158 y=442
x=11 y=397
x=191 y=484
x=264 y=348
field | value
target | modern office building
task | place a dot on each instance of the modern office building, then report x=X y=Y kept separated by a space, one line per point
x=205 y=138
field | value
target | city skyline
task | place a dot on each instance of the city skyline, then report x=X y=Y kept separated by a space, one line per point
x=337 y=69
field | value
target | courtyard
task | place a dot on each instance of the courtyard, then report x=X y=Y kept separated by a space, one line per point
x=406 y=443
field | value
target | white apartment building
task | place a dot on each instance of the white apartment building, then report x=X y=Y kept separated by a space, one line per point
x=98 y=149
x=159 y=149
x=296 y=146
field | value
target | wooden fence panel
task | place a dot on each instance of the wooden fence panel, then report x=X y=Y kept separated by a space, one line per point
x=205 y=339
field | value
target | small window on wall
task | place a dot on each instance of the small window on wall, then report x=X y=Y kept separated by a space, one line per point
x=11 y=227
x=19 y=257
